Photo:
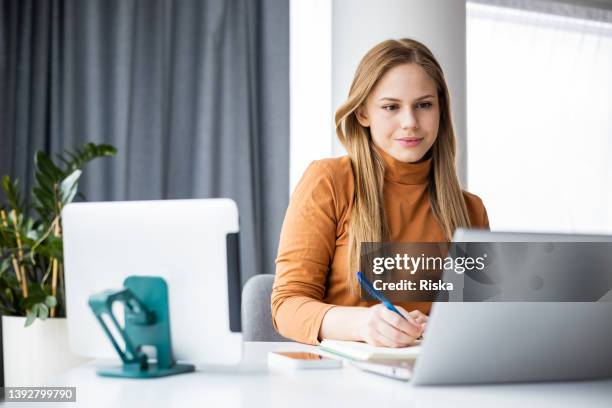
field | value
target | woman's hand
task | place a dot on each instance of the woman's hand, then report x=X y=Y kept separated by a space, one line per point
x=380 y=326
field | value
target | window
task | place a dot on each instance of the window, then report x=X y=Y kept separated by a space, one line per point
x=540 y=118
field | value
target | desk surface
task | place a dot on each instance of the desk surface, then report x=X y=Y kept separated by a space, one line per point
x=256 y=386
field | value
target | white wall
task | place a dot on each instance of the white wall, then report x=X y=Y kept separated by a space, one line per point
x=310 y=84
x=328 y=40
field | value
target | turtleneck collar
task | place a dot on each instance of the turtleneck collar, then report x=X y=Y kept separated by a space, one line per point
x=405 y=173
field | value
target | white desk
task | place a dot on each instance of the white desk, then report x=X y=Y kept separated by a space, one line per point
x=347 y=387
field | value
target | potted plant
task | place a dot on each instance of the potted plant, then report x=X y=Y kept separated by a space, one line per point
x=31 y=266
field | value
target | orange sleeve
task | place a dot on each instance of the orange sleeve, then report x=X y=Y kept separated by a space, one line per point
x=485 y=221
x=306 y=248
x=477 y=211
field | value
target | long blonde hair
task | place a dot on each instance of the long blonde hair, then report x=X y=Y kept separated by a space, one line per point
x=368 y=221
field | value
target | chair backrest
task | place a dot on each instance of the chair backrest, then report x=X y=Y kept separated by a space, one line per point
x=256 y=311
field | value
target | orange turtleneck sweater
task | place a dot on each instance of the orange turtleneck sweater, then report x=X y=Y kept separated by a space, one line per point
x=311 y=266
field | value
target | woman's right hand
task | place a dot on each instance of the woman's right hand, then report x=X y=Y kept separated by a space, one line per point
x=380 y=326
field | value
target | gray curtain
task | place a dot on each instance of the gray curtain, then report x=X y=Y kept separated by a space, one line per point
x=193 y=93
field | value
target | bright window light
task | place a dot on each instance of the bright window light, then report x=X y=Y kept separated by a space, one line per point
x=540 y=119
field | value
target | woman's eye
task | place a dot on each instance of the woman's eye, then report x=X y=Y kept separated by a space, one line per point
x=424 y=105
x=390 y=107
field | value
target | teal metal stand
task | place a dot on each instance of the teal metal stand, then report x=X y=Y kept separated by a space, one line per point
x=147 y=323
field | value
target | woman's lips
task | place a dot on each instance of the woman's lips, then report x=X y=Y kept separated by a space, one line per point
x=409 y=141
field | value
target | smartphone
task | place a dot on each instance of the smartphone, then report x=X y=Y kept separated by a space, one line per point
x=300 y=360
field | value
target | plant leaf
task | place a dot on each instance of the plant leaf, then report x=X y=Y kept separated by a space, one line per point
x=77 y=159
x=13 y=194
x=37 y=295
x=8 y=295
x=44 y=182
x=32 y=234
x=30 y=317
x=5 y=265
x=45 y=201
x=51 y=301
x=48 y=177
x=52 y=247
x=68 y=187
x=45 y=165
x=43 y=311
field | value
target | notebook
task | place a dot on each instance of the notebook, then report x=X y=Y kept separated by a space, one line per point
x=362 y=351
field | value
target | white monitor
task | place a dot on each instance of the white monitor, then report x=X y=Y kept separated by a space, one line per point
x=192 y=244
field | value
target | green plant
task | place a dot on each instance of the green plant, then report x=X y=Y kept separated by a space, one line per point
x=31 y=255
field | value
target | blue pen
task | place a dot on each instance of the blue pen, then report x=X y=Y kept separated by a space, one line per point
x=367 y=285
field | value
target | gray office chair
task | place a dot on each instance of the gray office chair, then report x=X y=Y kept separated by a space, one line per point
x=256 y=311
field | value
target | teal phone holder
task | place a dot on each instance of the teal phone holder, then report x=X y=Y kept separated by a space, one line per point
x=147 y=323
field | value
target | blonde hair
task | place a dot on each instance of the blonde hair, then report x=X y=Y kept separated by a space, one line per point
x=368 y=222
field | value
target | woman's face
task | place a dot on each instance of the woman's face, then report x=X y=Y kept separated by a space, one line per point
x=403 y=113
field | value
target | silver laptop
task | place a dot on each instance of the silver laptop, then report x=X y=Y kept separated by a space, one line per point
x=492 y=342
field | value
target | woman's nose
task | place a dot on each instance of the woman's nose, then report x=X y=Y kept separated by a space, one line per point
x=408 y=119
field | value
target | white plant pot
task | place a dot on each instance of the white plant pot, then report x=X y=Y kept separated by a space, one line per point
x=35 y=355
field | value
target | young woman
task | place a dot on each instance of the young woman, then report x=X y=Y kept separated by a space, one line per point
x=398 y=183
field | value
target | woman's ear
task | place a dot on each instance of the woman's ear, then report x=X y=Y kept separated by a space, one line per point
x=362 y=116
